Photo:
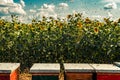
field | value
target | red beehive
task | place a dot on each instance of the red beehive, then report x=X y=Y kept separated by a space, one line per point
x=75 y=71
x=9 y=71
x=106 y=71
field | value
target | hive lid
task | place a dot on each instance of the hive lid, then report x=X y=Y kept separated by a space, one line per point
x=107 y=68
x=117 y=64
x=45 y=68
x=76 y=67
x=8 y=67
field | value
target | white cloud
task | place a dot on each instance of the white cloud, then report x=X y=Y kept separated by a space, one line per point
x=6 y=1
x=97 y=17
x=8 y=7
x=23 y=19
x=17 y=10
x=63 y=5
x=22 y=3
x=30 y=17
x=32 y=11
x=47 y=7
x=4 y=11
x=116 y=1
x=111 y=5
x=47 y=11
x=9 y=1
x=110 y=15
x=8 y=18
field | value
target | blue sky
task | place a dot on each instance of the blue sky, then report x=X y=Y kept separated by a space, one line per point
x=29 y=9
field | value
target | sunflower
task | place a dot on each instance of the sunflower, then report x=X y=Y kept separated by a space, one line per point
x=96 y=30
x=69 y=16
x=42 y=27
x=1 y=23
x=30 y=25
x=16 y=26
x=60 y=25
x=87 y=20
x=79 y=25
x=99 y=24
x=115 y=23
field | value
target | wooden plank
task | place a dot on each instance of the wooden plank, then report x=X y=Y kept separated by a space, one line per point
x=108 y=76
x=78 y=76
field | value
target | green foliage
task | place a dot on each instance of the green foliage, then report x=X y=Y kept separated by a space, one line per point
x=76 y=39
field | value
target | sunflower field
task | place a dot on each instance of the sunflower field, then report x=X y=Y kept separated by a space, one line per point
x=75 y=39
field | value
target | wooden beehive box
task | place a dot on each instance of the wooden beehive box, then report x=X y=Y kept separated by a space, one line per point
x=75 y=71
x=45 y=71
x=9 y=71
x=106 y=71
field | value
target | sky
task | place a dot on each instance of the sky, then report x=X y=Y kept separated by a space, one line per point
x=29 y=9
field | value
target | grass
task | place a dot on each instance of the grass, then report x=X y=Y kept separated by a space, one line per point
x=25 y=76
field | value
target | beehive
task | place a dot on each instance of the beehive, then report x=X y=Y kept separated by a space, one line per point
x=106 y=71
x=78 y=71
x=9 y=71
x=45 y=71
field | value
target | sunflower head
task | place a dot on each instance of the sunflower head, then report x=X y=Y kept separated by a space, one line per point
x=87 y=20
x=96 y=30
x=79 y=25
x=16 y=26
x=1 y=22
x=69 y=16
x=115 y=23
